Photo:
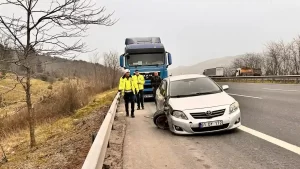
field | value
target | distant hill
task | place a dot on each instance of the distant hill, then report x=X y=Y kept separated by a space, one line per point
x=199 y=68
x=53 y=66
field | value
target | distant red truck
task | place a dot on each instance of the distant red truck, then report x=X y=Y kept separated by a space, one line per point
x=246 y=71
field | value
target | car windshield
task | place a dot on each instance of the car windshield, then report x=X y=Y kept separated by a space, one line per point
x=193 y=87
x=146 y=59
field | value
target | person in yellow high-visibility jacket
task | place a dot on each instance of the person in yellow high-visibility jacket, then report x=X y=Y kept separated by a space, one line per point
x=140 y=81
x=121 y=80
x=129 y=89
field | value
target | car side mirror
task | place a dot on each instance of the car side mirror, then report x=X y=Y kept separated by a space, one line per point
x=122 y=61
x=225 y=87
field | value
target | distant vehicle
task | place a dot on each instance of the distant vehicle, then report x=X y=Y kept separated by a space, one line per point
x=190 y=104
x=246 y=71
x=257 y=72
x=214 y=72
x=148 y=55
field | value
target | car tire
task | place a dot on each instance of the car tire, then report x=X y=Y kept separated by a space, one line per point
x=160 y=120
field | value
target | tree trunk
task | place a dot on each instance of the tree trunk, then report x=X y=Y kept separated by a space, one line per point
x=30 y=110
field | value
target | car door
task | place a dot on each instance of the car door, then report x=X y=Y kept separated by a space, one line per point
x=160 y=97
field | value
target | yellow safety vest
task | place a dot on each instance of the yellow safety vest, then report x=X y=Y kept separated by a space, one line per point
x=139 y=79
x=121 y=81
x=128 y=85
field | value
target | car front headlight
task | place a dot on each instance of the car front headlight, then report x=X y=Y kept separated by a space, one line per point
x=233 y=107
x=179 y=114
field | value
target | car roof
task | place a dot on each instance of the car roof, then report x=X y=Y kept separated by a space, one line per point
x=186 y=76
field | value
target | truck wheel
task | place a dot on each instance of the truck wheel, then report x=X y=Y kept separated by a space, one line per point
x=160 y=120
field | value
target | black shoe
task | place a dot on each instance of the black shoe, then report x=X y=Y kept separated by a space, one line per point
x=127 y=114
x=143 y=108
x=132 y=116
x=138 y=108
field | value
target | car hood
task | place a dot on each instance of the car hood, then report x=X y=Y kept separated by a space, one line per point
x=203 y=101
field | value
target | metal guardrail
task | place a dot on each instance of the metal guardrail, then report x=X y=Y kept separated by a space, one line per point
x=281 y=78
x=96 y=155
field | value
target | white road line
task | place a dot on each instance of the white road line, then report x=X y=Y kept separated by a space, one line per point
x=271 y=139
x=280 y=90
x=244 y=96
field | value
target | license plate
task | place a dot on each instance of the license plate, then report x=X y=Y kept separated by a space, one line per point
x=211 y=124
x=148 y=95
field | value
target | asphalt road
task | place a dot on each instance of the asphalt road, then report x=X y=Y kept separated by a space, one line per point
x=270 y=109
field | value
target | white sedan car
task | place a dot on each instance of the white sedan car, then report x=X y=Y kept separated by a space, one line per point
x=194 y=103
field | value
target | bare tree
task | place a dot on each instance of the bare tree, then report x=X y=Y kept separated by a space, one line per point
x=279 y=58
x=44 y=32
x=252 y=60
x=96 y=60
x=273 y=58
x=111 y=62
x=4 y=54
x=238 y=62
x=295 y=52
x=285 y=57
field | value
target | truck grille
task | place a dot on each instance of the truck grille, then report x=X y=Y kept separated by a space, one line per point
x=147 y=86
x=148 y=75
x=198 y=129
x=203 y=115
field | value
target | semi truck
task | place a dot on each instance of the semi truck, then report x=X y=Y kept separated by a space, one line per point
x=214 y=72
x=147 y=55
x=247 y=71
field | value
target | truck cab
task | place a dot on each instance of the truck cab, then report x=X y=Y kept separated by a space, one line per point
x=148 y=55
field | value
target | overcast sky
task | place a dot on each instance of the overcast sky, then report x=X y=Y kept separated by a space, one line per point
x=197 y=30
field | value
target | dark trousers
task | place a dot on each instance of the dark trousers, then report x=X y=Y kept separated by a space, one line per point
x=140 y=98
x=129 y=98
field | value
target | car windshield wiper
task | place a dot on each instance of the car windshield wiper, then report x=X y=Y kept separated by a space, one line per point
x=203 y=93
x=177 y=96
x=195 y=94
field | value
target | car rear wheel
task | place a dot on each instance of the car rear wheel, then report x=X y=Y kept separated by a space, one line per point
x=160 y=120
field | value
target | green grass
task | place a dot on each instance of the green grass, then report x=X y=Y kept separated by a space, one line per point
x=97 y=102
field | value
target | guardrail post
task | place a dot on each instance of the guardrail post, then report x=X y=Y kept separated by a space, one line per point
x=112 y=127
x=272 y=79
x=93 y=137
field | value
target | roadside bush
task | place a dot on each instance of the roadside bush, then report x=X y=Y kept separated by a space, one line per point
x=43 y=77
x=67 y=99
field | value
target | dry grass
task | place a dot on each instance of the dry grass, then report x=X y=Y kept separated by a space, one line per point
x=96 y=103
x=58 y=108
x=16 y=144
x=15 y=99
x=67 y=98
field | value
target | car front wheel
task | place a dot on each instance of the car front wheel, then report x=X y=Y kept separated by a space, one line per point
x=160 y=120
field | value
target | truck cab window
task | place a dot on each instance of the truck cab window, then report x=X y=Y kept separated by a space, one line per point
x=146 y=59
